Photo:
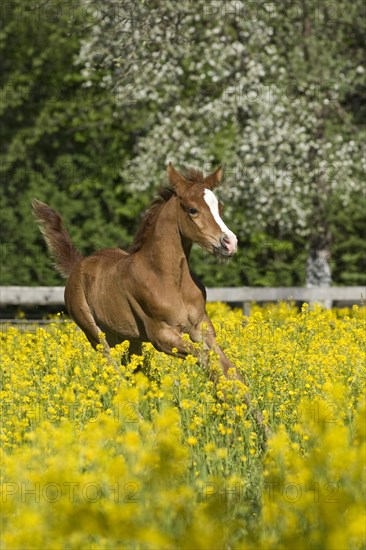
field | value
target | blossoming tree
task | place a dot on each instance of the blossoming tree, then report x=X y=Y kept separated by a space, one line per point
x=270 y=90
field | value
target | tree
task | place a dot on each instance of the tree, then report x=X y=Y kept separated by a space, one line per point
x=60 y=142
x=274 y=90
x=97 y=97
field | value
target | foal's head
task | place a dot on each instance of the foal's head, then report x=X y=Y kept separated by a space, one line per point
x=199 y=214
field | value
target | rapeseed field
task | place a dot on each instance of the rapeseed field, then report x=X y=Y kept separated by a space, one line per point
x=164 y=459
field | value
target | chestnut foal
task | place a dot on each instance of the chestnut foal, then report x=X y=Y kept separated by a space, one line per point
x=148 y=294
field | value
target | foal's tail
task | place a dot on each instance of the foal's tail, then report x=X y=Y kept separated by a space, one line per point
x=57 y=238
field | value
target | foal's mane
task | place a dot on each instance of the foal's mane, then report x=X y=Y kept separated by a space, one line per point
x=192 y=176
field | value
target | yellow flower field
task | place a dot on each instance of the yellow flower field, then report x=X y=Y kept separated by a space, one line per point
x=163 y=459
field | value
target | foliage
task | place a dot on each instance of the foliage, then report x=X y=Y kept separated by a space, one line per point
x=273 y=91
x=61 y=143
x=163 y=458
x=97 y=97
x=349 y=254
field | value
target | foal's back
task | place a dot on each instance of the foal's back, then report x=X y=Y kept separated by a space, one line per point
x=98 y=270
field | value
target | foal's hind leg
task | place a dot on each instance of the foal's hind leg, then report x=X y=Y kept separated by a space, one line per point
x=135 y=348
x=83 y=317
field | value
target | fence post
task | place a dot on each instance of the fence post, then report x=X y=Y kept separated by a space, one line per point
x=246 y=309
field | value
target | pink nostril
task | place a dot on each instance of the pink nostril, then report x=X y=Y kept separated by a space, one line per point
x=229 y=243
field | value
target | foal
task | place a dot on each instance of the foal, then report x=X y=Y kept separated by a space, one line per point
x=149 y=293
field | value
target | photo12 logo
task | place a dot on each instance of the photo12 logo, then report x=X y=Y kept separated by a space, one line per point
x=321 y=12
x=35 y=413
x=70 y=12
x=271 y=491
x=71 y=491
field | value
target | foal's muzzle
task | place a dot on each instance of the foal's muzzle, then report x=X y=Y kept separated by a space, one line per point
x=228 y=245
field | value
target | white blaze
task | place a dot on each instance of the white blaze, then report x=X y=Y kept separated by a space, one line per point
x=213 y=205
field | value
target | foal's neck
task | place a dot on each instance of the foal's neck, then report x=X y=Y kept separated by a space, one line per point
x=166 y=248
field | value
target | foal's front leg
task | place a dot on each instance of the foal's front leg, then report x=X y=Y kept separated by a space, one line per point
x=206 y=332
x=169 y=337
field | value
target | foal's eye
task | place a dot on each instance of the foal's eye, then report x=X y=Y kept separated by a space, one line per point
x=192 y=211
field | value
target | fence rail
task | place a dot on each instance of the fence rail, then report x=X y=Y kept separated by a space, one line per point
x=54 y=295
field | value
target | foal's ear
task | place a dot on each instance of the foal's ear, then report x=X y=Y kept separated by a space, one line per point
x=176 y=180
x=214 y=179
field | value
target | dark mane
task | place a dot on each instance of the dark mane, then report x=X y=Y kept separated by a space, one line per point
x=164 y=194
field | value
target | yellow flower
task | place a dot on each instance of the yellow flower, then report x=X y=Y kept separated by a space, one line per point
x=103 y=451
x=221 y=453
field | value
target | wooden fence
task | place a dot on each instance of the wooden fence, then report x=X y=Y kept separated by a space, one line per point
x=54 y=295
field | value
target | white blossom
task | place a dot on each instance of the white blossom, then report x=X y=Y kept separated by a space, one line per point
x=217 y=97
